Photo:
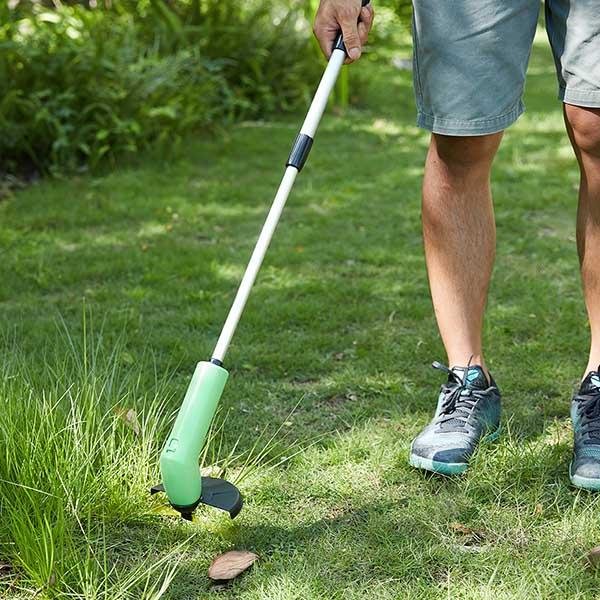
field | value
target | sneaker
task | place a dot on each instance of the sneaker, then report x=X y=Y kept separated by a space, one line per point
x=584 y=469
x=468 y=411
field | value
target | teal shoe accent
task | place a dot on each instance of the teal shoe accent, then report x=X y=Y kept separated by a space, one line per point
x=436 y=466
x=468 y=413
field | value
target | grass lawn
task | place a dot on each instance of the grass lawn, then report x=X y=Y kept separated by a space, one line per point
x=112 y=287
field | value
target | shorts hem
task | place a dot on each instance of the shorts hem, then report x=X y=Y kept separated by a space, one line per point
x=457 y=127
x=587 y=98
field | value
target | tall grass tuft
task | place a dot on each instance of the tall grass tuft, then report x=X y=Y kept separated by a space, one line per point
x=71 y=465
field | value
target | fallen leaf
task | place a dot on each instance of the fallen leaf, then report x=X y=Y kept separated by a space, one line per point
x=593 y=557
x=231 y=564
x=129 y=417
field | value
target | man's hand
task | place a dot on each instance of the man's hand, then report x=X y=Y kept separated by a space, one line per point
x=347 y=16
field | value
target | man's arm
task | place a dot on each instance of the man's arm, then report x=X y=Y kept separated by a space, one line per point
x=348 y=17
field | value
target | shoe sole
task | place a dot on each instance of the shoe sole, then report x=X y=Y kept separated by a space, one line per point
x=584 y=483
x=444 y=468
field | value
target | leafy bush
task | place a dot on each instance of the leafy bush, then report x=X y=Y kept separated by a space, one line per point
x=79 y=89
x=78 y=86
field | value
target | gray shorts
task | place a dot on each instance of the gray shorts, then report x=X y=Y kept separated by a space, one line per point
x=470 y=58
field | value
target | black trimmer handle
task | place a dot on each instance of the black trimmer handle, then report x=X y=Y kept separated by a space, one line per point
x=339 y=40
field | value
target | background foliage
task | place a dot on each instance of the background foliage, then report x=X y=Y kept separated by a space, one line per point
x=80 y=83
x=91 y=81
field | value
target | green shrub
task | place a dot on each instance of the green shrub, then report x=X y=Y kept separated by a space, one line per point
x=80 y=86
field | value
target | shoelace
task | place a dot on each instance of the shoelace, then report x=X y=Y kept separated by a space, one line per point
x=589 y=411
x=460 y=400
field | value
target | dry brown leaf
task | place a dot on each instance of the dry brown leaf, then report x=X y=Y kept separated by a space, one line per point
x=593 y=557
x=231 y=564
x=129 y=417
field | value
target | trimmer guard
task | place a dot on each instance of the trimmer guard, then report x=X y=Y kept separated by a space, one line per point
x=217 y=493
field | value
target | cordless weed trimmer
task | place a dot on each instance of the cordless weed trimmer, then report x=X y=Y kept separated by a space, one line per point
x=182 y=481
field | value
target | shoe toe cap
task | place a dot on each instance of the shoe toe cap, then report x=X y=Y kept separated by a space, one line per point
x=586 y=468
x=452 y=455
x=444 y=454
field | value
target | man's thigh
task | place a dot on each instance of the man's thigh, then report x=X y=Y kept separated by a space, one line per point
x=574 y=33
x=470 y=59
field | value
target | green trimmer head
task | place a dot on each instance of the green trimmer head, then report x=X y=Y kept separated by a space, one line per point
x=182 y=482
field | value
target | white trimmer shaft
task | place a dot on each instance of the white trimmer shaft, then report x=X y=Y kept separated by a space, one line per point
x=295 y=162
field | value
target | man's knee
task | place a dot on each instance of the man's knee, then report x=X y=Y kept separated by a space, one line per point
x=466 y=153
x=584 y=126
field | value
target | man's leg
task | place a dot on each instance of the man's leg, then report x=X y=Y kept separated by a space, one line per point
x=470 y=60
x=583 y=126
x=460 y=238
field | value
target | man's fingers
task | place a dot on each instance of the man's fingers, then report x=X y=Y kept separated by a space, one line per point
x=325 y=40
x=363 y=33
x=351 y=38
x=366 y=16
x=325 y=28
